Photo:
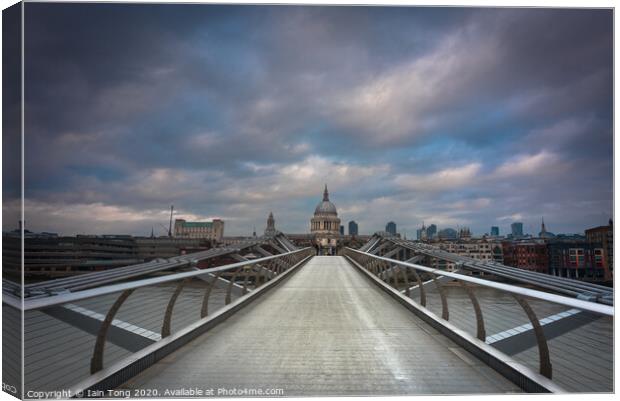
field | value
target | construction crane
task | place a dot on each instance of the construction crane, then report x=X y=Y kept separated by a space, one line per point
x=170 y=226
x=165 y=228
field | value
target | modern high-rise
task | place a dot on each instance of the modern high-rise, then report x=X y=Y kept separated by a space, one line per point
x=495 y=231
x=353 y=228
x=391 y=228
x=517 y=229
x=447 y=233
x=431 y=231
x=341 y=230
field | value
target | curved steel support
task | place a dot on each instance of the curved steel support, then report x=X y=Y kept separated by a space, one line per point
x=421 y=287
x=445 y=314
x=380 y=268
x=387 y=274
x=394 y=276
x=267 y=266
x=276 y=267
x=165 y=328
x=281 y=266
x=384 y=267
x=480 y=331
x=204 y=310
x=284 y=263
x=366 y=263
x=258 y=276
x=371 y=265
x=543 y=348
x=230 y=286
x=273 y=268
x=246 y=275
x=96 y=362
x=405 y=275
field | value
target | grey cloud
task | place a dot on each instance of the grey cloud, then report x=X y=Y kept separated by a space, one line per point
x=130 y=91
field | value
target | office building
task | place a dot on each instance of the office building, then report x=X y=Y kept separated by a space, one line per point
x=581 y=260
x=353 y=228
x=528 y=255
x=604 y=235
x=391 y=228
x=431 y=232
x=213 y=230
x=516 y=229
x=447 y=234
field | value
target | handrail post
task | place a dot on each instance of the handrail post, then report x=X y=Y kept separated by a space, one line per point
x=480 y=331
x=230 y=285
x=445 y=314
x=96 y=362
x=165 y=328
x=204 y=310
x=543 y=348
x=421 y=287
x=405 y=274
x=246 y=275
x=258 y=275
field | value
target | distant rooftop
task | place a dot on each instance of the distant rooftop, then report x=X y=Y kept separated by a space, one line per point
x=207 y=224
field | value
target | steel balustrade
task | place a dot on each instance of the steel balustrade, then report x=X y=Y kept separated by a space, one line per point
x=283 y=262
x=252 y=273
x=378 y=266
x=593 y=292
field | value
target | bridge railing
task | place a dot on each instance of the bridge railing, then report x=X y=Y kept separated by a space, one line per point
x=69 y=335
x=386 y=245
x=437 y=290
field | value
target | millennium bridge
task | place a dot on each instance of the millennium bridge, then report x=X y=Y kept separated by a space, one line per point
x=383 y=319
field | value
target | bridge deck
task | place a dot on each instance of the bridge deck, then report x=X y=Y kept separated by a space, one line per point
x=325 y=331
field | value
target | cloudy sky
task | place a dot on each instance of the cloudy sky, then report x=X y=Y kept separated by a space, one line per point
x=458 y=117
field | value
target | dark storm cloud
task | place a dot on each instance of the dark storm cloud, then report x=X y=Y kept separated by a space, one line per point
x=11 y=102
x=457 y=116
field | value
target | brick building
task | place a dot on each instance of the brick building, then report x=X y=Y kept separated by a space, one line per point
x=581 y=260
x=604 y=236
x=529 y=255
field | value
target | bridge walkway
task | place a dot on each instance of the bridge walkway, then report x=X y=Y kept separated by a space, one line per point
x=327 y=330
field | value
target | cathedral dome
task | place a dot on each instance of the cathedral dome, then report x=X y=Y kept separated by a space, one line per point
x=325 y=206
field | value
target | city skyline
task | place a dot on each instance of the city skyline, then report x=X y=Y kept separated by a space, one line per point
x=452 y=116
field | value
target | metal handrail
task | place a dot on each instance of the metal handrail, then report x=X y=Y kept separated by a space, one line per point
x=254 y=273
x=378 y=265
x=569 y=286
x=40 y=303
x=137 y=269
x=541 y=295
